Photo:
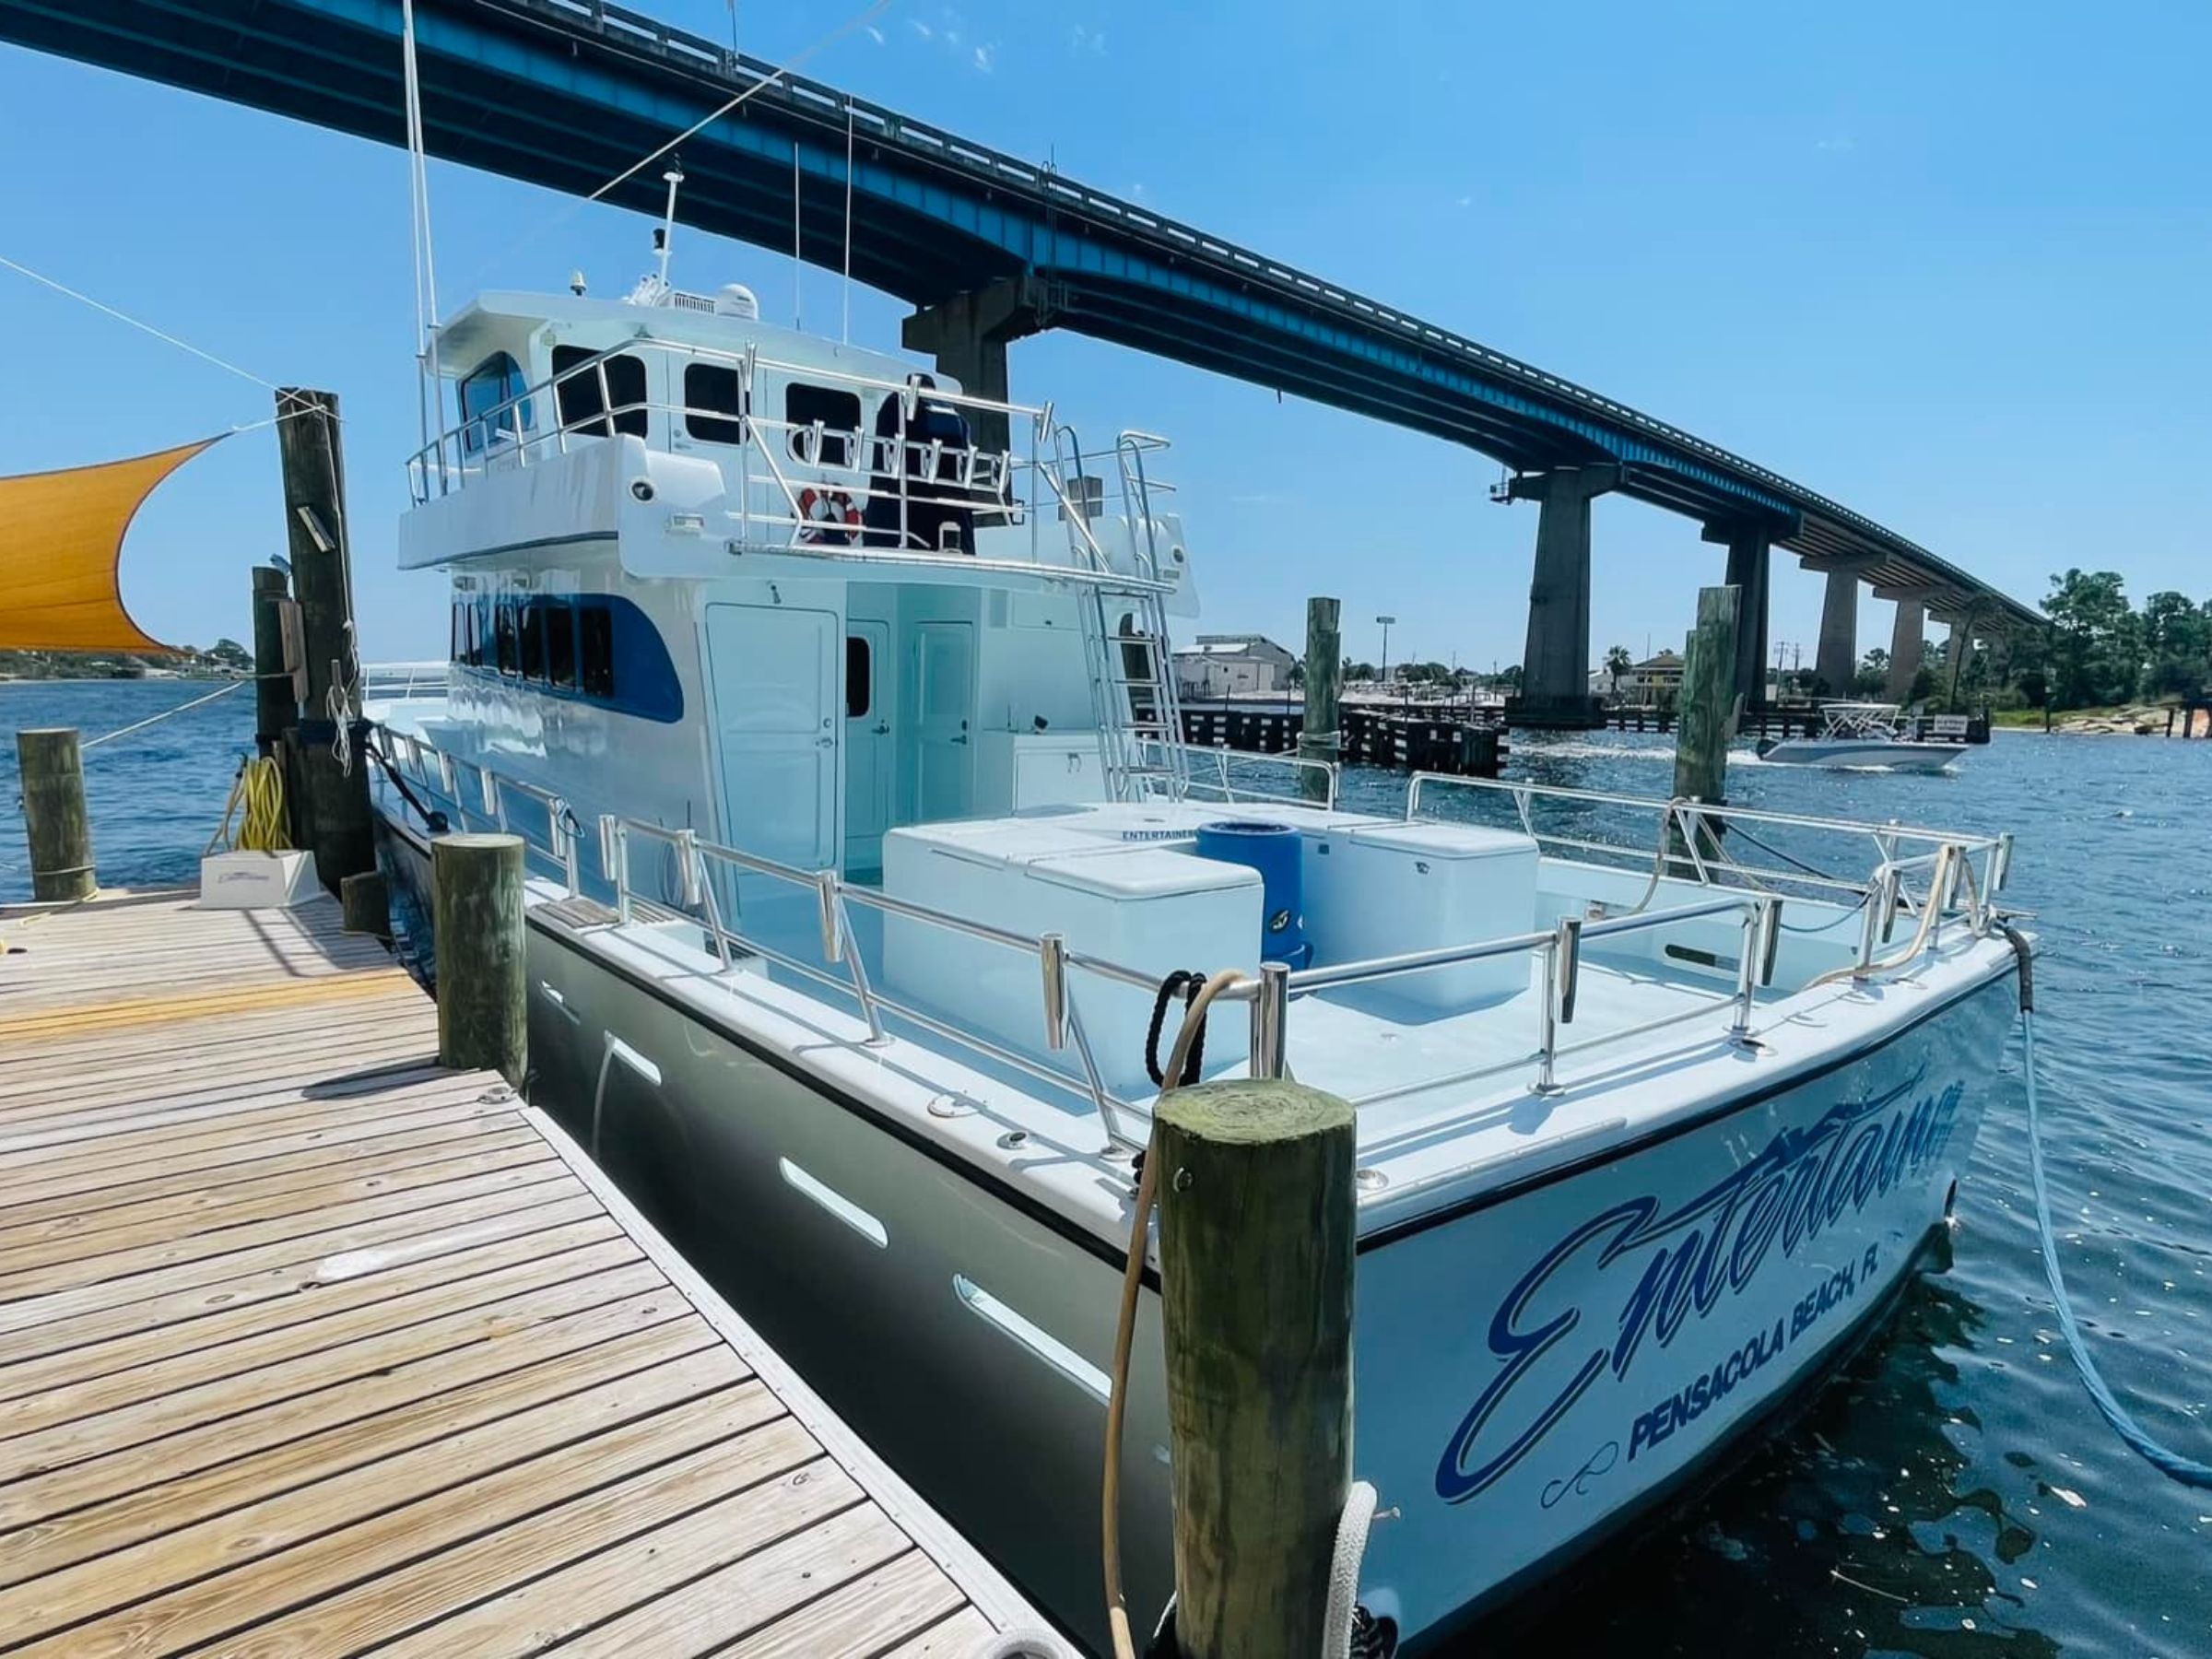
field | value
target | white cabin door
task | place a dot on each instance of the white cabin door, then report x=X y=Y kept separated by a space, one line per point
x=775 y=674
x=868 y=754
x=944 y=704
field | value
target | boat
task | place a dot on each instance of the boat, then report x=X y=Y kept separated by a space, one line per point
x=834 y=708
x=1862 y=734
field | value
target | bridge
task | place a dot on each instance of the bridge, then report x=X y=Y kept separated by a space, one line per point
x=988 y=249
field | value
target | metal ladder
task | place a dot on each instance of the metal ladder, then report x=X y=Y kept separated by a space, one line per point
x=1133 y=694
x=1125 y=628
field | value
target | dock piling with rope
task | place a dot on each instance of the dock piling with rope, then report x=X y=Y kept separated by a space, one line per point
x=51 y=765
x=1257 y=1197
x=333 y=793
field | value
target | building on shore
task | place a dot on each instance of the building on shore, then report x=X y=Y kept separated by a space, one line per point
x=1230 y=664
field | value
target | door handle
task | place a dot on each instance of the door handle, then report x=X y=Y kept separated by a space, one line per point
x=825 y=742
x=961 y=738
x=882 y=731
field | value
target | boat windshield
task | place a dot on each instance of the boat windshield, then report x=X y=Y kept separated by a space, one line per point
x=1860 y=719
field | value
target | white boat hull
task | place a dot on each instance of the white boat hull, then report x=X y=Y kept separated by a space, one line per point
x=1844 y=752
x=1534 y=1368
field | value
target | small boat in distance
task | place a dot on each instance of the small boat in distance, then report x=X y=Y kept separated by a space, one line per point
x=1862 y=734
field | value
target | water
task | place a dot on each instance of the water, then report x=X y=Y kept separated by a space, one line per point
x=1954 y=1494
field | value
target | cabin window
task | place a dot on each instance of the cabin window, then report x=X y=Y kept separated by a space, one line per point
x=860 y=680
x=460 y=640
x=534 y=641
x=578 y=398
x=713 y=403
x=595 y=650
x=838 y=411
x=560 y=644
x=503 y=629
x=484 y=390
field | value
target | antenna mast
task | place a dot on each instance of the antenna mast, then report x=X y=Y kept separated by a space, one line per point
x=674 y=175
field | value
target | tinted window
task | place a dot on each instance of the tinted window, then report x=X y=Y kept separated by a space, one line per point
x=485 y=388
x=595 y=650
x=859 y=679
x=711 y=394
x=560 y=644
x=504 y=627
x=838 y=411
x=460 y=646
x=534 y=641
x=578 y=398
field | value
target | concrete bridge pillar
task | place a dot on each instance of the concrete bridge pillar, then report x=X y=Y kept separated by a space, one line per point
x=1749 y=561
x=968 y=334
x=1555 y=668
x=1905 y=637
x=1837 y=663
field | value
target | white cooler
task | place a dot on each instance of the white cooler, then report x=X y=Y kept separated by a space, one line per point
x=1388 y=890
x=1148 y=908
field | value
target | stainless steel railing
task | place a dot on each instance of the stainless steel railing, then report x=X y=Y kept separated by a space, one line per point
x=1693 y=834
x=842 y=971
x=775 y=464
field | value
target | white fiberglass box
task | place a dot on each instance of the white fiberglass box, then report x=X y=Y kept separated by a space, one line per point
x=1147 y=908
x=1388 y=890
x=256 y=880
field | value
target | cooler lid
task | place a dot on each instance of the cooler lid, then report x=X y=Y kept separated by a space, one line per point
x=1141 y=872
x=1446 y=840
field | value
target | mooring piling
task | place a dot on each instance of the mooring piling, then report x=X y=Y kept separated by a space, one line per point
x=334 y=810
x=1319 y=738
x=52 y=767
x=1708 y=706
x=476 y=918
x=1256 y=1223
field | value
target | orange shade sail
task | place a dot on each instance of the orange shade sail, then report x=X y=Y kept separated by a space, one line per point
x=60 y=541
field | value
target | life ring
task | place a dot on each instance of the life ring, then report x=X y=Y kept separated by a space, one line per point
x=828 y=515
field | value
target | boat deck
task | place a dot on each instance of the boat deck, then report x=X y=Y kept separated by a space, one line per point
x=309 y=1345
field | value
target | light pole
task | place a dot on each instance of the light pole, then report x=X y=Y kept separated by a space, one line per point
x=1386 y=621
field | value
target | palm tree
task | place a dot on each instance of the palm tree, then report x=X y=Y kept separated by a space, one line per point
x=1617 y=663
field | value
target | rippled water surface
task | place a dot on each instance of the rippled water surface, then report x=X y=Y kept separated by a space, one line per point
x=1953 y=1494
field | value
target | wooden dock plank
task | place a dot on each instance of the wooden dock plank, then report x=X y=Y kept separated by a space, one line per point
x=310 y=1346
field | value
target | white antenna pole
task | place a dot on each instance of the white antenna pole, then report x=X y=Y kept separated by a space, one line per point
x=674 y=175
x=418 y=228
x=847 y=334
x=796 y=267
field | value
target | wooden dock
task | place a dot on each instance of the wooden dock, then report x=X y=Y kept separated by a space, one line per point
x=308 y=1346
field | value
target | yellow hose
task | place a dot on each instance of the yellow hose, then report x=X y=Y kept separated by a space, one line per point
x=258 y=790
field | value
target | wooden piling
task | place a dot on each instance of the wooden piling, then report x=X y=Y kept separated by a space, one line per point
x=1705 y=719
x=365 y=904
x=335 y=798
x=275 y=706
x=1256 y=1223
x=52 y=768
x=477 y=920
x=1318 y=739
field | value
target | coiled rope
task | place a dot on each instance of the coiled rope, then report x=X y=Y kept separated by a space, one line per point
x=2188 y=1471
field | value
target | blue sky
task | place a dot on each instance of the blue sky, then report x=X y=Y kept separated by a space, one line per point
x=1948 y=265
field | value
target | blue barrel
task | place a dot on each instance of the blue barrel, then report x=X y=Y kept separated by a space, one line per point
x=1275 y=851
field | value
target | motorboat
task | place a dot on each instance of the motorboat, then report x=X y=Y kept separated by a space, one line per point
x=1863 y=735
x=833 y=705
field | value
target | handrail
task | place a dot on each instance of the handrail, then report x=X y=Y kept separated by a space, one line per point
x=1693 y=838
x=1560 y=947
x=1230 y=792
x=511 y=432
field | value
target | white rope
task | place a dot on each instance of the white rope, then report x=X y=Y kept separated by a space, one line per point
x=140 y=725
x=777 y=73
x=627 y=174
x=1344 y=1570
x=59 y=288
